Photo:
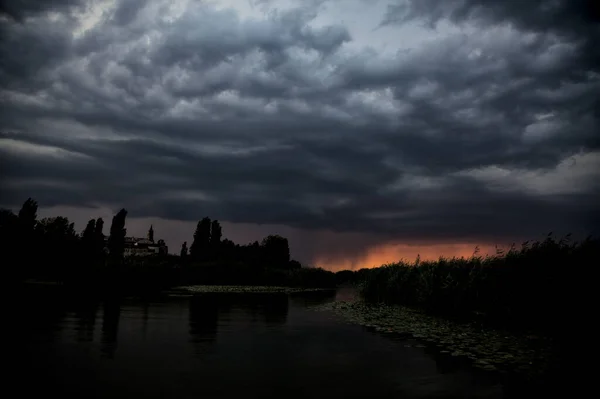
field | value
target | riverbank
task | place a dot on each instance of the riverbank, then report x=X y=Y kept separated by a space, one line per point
x=543 y=286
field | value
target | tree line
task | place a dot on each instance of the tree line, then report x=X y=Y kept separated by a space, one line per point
x=52 y=248
x=209 y=246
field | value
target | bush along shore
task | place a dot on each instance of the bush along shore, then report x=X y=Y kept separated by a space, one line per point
x=516 y=311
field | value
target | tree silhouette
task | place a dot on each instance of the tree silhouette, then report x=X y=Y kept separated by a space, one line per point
x=7 y=219
x=184 y=250
x=56 y=228
x=116 y=239
x=88 y=232
x=195 y=248
x=99 y=239
x=228 y=251
x=254 y=253
x=276 y=251
x=25 y=234
x=58 y=242
x=9 y=243
x=216 y=233
x=8 y=229
x=50 y=248
x=201 y=244
x=87 y=238
x=28 y=215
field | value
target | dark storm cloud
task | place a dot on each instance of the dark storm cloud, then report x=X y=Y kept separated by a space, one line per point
x=28 y=52
x=576 y=17
x=20 y=9
x=284 y=121
x=576 y=20
x=127 y=11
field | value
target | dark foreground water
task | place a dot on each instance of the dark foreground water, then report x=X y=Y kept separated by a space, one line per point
x=219 y=346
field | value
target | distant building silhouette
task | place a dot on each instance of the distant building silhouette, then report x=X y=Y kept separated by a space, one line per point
x=136 y=246
x=151 y=234
x=143 y=247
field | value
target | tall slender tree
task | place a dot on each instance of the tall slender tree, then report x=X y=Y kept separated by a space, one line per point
x=116 y=239
x=28 y=215
x=88 y=239
x=99 y=239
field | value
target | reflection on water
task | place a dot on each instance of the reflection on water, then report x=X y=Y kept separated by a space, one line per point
x=110 y=327
x=203 y=318
x=85 y=316
x=223 y=345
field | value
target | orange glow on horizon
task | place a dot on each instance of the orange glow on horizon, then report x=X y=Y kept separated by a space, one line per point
x=391 y=253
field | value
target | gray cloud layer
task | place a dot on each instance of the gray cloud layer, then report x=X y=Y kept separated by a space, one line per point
x=488 y=129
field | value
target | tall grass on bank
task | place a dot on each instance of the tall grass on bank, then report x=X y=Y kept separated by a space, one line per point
x=540 y=285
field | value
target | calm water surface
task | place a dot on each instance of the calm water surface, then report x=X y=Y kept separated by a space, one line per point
x=221 y=345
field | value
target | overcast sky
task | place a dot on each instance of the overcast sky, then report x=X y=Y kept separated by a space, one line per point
x=363 y=130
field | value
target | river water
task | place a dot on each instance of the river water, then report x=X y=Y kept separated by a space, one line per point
x=220 y=346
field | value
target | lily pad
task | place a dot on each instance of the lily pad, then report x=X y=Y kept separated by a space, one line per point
x=490 y=349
